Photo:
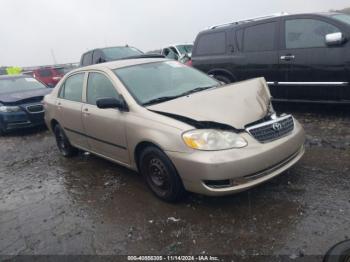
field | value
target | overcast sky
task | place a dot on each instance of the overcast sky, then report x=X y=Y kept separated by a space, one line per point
x=30 y=29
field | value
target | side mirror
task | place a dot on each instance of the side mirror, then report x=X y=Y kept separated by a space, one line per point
x=110 y=102
x=335 y=39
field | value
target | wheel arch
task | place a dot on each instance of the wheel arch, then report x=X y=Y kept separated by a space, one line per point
x=223 y=72
x=140 y=147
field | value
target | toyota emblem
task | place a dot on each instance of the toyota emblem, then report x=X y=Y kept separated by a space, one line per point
x=277 y=127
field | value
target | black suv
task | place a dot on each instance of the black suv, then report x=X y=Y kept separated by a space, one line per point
x=101 y=55
x=304 y=57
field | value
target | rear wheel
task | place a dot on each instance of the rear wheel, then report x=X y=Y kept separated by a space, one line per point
x=161 y=175
x=63 y=144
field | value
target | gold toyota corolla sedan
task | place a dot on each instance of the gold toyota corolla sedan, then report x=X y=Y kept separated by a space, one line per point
x=181 y=129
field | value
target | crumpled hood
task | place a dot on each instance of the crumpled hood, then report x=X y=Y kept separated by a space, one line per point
x=235 y=105
x=24 y=96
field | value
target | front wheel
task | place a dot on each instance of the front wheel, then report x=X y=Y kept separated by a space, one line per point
x=161 y=175
x=63 y=144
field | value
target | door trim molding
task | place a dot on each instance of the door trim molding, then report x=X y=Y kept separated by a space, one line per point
x=309 y=83
x=94 y=138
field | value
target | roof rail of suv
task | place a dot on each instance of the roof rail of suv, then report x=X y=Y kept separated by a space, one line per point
x=250 y=20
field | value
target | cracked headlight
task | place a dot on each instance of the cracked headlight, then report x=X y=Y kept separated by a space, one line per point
x=213 y=140
x=9 y=109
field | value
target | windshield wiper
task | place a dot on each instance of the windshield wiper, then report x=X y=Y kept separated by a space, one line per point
x=159 y=100
x=198 y=89
x=167 y=98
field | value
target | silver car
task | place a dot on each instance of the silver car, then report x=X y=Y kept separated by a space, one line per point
x=181 y=129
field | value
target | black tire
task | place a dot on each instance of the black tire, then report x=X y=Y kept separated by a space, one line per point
x=223 y=79
x=160 y=175
x=63 y=144
x=339 y=253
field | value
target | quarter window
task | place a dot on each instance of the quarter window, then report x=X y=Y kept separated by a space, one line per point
x=212 y=44
x=260 y=37
x=73 y=88
x=99 y=86
x=306 y=33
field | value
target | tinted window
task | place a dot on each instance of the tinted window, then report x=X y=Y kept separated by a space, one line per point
x=212 y=44
x=343 y=18
x=45 y=72
x=87 y=59
x=305 y=33
x=99 y=86
x=260 y=37
x=96 y=56
x=73 y=88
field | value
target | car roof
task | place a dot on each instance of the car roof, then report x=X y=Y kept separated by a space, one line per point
x=102 y=48
x=247 y=22
x=120 y=64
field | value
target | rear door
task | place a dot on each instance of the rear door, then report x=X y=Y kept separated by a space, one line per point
x=257 y=54
x=69 y=106
x=105 y=128
x=311 y=69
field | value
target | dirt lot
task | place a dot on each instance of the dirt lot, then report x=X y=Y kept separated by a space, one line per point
x=86 y=205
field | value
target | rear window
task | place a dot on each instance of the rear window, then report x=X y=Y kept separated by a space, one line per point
x=212 y=44
x=44 y=72
x=260 y=38
x=115 y=53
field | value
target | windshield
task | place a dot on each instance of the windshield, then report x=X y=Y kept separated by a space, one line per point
x=115 y=53
x=60 y=71
x=9 y=85
x=343 y=18
x=147 y=82
x=184 y=49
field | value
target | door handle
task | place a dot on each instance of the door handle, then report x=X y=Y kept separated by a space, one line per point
x=86 y=112
x=288 y=57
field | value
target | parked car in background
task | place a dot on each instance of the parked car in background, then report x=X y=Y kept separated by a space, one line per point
x=21 y=102
x=166 y=119
x=101 y=55
x=50 y=76
x=177 y=51
x=303 y=57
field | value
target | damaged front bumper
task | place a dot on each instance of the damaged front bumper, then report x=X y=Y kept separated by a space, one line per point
x=231 y=171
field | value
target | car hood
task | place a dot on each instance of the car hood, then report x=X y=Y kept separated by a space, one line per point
x=235 y=105
x=34 y=95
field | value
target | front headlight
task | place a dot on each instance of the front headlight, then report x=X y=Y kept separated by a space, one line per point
x=9 y=109
x=213 y=140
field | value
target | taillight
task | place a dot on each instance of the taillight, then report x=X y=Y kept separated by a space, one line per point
x=189 y=63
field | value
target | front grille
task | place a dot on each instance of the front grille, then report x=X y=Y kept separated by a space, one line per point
x=272 y=130
x=35 y=108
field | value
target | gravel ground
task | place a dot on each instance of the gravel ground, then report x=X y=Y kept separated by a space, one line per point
x=87 y=205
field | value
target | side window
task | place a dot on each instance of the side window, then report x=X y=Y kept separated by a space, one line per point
x=306 y=33
x=96 y=57
x=99 y=86
x=260 y=37
x=171 y=53
x=212 y=44
x=87 y=59
x=72 y=88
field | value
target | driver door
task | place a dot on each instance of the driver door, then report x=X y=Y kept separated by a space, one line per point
x=311 y=69
x=105 y=128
